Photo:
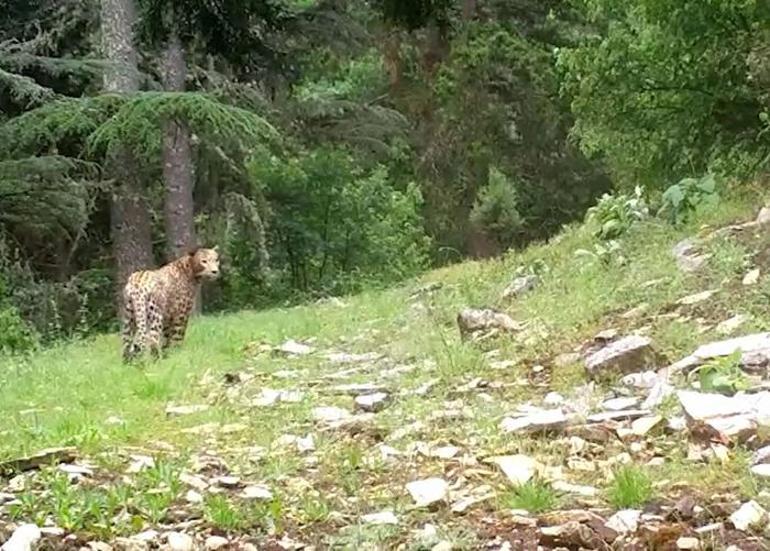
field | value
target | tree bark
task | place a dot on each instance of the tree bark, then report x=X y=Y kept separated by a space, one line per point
x=179 y=208
x=129 y=215
x=469 y=9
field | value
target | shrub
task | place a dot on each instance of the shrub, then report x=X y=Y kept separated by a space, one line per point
x=495 y=211
x=682 y=199
x=615 y=214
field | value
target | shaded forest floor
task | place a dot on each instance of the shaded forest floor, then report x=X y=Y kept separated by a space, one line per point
x=307 y=426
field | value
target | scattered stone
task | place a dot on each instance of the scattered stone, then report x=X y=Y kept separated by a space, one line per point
x=689 y=300
x=730 y=325
x=216 y=542
x=330 y=414
x=270 y=397
x=545 y=419
x=257 y=491
x=140 y=463
x=751 y=277
x=617 y=404
x=42 y=458
x=688 y=259
x=521 y=285
x=185 y=410
x=98 y=546
x=177 y=541
x=748 y=515
x=472 y=321
x=76 y=471
x=227 y=481
x=566 y=487
x=752 y=348
x=372 y=402
x=625 y=355
x=615 y=415
x=23 y=538
x=762 y=455
x=193 y=497
x=643 y=425
x=519 y=469
x=294 y=348
x=730 y=417
x=625 y=521
x=763 y=470
x=383 y=517
x=643 y=380
x=345 y=358
x=428 y=491
x=763 y=218
x=688 y=543
x=553 y=399
x=357 y=389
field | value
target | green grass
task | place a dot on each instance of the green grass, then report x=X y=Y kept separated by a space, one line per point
x=535 y=496
x=631 y=487
x=80 y=394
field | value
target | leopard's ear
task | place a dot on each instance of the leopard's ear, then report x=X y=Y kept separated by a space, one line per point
x=215 y=248
x=193 y=251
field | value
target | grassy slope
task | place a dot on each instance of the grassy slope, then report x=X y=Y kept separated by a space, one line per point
x=66 y=394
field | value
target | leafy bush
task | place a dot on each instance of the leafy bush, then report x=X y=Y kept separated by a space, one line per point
x=335 y=227
x=630 y=487
x=495 y=211
x=682 y=199
x=15 y=333
x=615 y=214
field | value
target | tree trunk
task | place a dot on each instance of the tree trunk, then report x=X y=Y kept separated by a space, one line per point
x=179 y=207
x=469 y=9
x=129 y=215
x=177 y=161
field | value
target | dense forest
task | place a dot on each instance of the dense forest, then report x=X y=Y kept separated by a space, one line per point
x=327 y=146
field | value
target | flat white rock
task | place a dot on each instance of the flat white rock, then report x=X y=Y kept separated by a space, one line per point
x=542 y=419
x=372 y=402
x=617 y=404
x=518 y=469
x=383 y=517
x=763 y=469
x=23 y=538
x=216 y=542
x=330 y=414
x=730 y=325
x=566 y=487
x=749 y=514
x=751 y=277
x=685 y=542
x=186 y=410
x=625 y=521
x=178 y=541
x=695 y=298
x=428 y=491
x=643 y=425
x=294 y=348
x=257 y=491
x=553 y=399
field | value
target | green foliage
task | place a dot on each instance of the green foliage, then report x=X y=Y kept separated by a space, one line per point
x=138 y=123
x=495 y=211
x=15 y=334
x=535 y=496
x=630 y=487
x=335 y=227
x=614 y=214
x=663 y=88
x=681 y=200
x=722 y=375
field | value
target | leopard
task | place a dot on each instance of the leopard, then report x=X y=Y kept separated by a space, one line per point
x=157 y=303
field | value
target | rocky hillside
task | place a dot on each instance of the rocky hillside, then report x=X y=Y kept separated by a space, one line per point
x=581 y=394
